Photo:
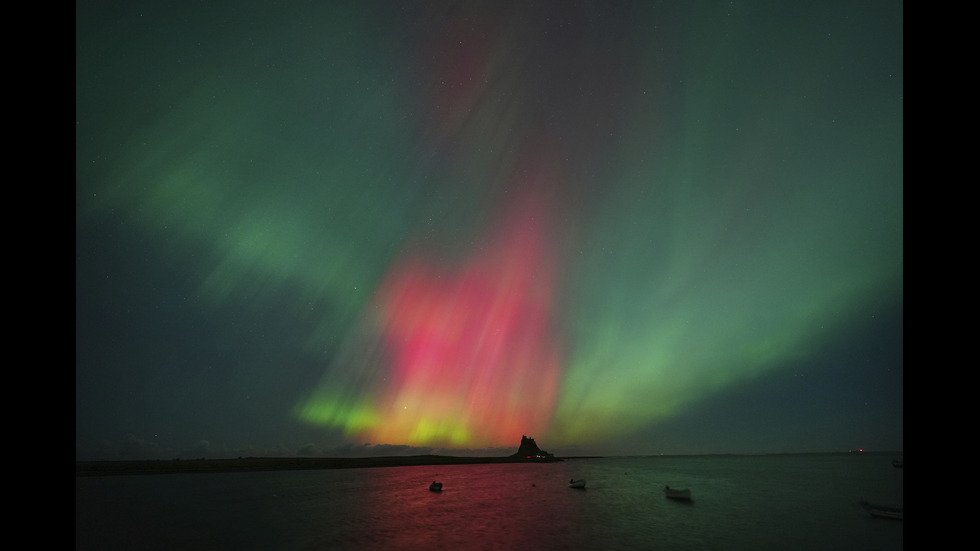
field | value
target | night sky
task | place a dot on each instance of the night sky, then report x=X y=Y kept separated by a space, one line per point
x=372 y=227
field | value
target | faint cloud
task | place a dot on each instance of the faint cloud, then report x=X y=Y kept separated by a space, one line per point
x=308 y=449
x=201 y=449
x=133 y=447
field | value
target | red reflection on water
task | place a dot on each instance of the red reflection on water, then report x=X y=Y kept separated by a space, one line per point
x=506 y=506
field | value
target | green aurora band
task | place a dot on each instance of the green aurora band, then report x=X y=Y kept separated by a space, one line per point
x=708 y=222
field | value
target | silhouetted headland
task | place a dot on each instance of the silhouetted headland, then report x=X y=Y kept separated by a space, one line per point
x=528 y=452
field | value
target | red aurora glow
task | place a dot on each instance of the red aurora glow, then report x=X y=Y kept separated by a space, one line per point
x=472 y=358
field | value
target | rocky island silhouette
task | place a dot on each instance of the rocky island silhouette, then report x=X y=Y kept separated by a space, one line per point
x=528 y=451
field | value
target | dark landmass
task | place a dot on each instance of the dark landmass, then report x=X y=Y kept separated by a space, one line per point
x=528 y=452
x=247 y=464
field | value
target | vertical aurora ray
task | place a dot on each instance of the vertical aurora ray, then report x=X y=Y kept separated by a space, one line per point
x=744 y=249
x=470 y=357
x=452 y=224
x=468 y=351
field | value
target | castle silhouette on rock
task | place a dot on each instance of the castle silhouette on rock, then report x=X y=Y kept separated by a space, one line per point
x=529 y=451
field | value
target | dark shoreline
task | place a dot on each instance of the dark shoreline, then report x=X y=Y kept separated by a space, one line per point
x=250 y=464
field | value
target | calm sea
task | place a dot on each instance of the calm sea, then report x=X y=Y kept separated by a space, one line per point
x=791 y=502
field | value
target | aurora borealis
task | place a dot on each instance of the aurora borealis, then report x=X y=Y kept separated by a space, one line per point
x=617 y=227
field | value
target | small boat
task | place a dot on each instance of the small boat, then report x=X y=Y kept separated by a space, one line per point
x=882 y=511
x=435 y=486
x=580 y=483
x=680 y=495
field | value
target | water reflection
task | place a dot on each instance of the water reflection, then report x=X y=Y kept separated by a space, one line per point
x=789 y=502
x=503 y=506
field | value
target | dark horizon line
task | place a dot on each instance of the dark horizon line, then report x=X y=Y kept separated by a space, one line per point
x=509 y=456
x=243 y=464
